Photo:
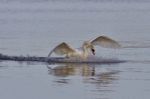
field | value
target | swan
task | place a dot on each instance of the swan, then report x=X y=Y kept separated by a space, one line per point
x=87 y=48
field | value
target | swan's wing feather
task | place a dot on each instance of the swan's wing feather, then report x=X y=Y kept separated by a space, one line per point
x=62 y=49
x=106 y=42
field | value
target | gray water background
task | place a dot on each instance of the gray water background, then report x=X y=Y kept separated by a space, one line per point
x=34 y=27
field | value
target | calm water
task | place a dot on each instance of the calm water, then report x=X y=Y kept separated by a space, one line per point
x=34 y=27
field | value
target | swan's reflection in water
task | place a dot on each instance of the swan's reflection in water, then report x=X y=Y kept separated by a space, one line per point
x=90 y=73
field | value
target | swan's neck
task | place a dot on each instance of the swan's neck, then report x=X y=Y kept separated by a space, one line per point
x=85 y=52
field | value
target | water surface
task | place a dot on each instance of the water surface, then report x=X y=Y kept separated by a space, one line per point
x=35 y=27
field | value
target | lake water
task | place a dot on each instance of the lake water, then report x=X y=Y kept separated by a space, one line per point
x=34 y=27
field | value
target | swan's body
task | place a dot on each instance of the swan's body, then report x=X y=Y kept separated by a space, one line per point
x=82 y=52
x=86 y=49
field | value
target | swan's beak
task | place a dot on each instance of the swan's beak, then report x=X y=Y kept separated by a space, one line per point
x=93 y=51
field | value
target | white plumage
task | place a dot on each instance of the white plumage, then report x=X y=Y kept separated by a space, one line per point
x=86 y=49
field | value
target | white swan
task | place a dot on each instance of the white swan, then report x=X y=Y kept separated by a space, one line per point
x=86 y=49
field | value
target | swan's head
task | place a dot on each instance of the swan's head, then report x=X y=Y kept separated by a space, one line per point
x=87 y=45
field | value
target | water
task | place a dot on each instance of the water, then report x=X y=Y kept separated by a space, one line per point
x=34 y=27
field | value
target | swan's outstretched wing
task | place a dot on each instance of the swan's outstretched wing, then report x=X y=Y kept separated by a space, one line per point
x=62 y=49
x=106 y=42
